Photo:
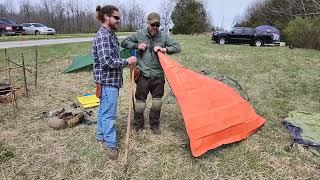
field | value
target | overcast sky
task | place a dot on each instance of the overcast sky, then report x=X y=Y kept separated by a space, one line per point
x=221 y=11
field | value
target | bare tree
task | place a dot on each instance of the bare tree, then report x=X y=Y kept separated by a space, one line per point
x=280 y=11
x=59 y=11
x=9 y=6
x=71 y=16
x=7 y=9
x=133 y=15
x=166 y=8
x=26 y=10
x=3 y=10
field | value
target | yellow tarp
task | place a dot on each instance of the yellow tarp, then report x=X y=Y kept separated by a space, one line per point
x=88 y=101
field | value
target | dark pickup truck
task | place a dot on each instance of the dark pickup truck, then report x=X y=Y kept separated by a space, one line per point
x=242 y=35
x=9 y=27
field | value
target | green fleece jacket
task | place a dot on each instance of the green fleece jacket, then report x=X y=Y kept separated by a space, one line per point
x=148 y=61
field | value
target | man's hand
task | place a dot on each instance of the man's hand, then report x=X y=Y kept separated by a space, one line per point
x=142 y=46
x=132 y=60
x=158 y=48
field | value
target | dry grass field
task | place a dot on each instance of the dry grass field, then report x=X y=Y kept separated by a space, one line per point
x=277 y=79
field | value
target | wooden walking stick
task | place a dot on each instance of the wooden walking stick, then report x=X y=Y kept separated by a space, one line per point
x=129 y=119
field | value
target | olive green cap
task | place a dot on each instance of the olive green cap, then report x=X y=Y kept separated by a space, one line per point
x=153 y=18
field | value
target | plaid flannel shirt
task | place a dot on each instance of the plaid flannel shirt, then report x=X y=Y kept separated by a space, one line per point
x=107 y=64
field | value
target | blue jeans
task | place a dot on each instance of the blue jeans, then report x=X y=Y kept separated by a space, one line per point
x=107 y=115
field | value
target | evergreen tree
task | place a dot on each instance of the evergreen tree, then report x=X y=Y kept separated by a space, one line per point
x=189 y=16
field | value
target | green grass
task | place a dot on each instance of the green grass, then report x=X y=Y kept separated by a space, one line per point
x=277 y=79
x=56 y=36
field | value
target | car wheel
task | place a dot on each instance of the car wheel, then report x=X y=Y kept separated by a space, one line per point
x=222 y=41
x=36 y=32
x=258 y=43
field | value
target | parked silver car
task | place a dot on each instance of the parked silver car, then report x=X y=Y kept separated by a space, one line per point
x=37 y=28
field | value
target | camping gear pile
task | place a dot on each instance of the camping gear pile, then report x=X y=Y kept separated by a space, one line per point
x=5 y=93
x=61 y=119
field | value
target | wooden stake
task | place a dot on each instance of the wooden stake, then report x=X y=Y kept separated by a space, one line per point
x=24 y=77
x=36 y=73
x=20 y=40
x=8 y=66
x=19 y=66
x=13 y=95
x=126 y=152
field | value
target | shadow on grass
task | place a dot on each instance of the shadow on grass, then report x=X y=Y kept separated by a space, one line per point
x=84 y=69
x=5 y=153
x=218 y=152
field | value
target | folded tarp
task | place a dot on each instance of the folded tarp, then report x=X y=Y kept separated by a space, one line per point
x=214 y=113
x=81 y=61
x=88 y=101
x=304 y=127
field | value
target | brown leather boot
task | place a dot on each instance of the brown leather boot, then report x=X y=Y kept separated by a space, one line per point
x=138 y=122
x=112 y=153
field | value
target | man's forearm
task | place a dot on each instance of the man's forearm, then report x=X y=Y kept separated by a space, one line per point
x=129 y=44
x=113 y=63
x=173 y=49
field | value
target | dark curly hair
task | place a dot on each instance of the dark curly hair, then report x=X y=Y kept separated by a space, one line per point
x=105 y=10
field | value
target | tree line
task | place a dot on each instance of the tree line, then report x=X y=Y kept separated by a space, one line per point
x=69 y=16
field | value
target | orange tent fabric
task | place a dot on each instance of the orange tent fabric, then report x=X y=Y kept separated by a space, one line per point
x=214 y=113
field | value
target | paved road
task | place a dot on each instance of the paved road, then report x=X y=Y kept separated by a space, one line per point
x=14 y=44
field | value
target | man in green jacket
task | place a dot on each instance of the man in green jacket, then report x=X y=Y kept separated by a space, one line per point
x=151 y=78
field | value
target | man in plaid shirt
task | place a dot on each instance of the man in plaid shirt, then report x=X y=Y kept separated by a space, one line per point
x=107 y=70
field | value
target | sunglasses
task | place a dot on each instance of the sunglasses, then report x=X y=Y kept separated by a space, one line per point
x=116 y=17
x=155 y=24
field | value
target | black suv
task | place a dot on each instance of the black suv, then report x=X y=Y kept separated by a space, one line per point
x=242 y=35
x=9 y=27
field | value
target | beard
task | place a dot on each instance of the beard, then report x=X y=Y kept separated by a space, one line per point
x=114 y=26
x=153 y=32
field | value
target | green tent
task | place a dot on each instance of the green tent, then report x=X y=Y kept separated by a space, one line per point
x=304 y=127
x=82 y=61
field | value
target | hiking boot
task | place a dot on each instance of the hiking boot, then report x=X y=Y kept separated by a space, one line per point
x=155 y=129
x=112 y=153
x=138 y=122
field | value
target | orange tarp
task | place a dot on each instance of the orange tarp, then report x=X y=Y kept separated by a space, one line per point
x=214 y=113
